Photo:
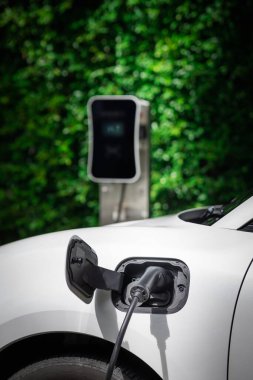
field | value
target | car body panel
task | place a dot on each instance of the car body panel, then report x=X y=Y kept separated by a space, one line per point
x=192 y=343
x=240 y=362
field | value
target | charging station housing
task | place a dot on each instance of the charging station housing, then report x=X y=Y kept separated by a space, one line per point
x=114 y=132
x=119 y=156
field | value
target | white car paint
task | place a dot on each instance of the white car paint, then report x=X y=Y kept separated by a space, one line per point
x=192 y=343
x=240 y=363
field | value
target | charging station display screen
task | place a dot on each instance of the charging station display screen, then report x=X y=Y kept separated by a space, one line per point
x=113 y=129
x=113 y=123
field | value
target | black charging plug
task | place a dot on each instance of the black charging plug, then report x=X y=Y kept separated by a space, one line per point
x=154 y=280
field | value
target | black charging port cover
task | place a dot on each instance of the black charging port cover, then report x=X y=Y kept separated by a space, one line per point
x=80 y=258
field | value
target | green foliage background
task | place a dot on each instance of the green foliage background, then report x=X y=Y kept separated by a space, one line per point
x=191 y=59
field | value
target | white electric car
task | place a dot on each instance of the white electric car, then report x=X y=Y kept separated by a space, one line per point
x=61 y=306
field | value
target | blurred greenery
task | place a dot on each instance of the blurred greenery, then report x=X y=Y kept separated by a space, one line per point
x=191 y=59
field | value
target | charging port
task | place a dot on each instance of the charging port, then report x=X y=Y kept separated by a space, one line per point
x=143 y=285
x=167 y=295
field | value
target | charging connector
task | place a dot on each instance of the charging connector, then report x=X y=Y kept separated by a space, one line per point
x=154 y=280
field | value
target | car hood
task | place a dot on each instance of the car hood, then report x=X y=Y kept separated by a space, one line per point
x=162 y=221
x=165 y=236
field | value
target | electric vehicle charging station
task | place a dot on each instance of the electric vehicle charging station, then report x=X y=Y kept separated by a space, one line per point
x=119 y=156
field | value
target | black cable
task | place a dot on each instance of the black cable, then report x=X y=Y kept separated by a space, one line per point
x=120 y=337
x=139 y=293
x=121 y=200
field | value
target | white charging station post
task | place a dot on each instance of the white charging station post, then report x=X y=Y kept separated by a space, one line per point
x=119 y=156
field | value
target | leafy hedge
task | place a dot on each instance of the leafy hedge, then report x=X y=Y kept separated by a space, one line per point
x=191 y=59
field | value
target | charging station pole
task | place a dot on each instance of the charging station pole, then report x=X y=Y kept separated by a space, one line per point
x=119 y=156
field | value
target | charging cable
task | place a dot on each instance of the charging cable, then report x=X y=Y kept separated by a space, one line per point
x=138 y=294
x=121 y=201
x=120 y=337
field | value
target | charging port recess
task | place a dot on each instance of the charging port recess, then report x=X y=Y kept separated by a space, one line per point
x=169 y=295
